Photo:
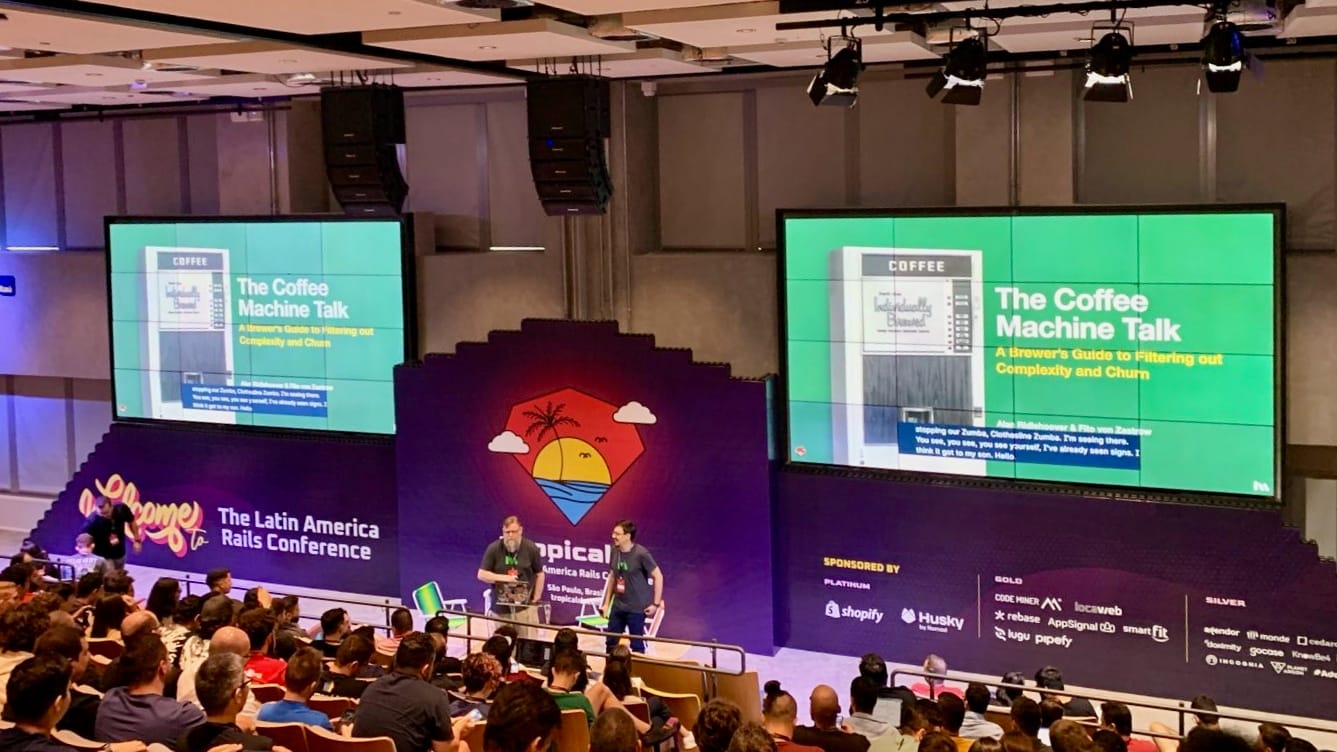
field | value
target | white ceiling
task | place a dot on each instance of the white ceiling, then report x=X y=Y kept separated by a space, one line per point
x=262 y=42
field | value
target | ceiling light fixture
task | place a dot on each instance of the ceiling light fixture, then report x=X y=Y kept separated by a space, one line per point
x=961 y=80
x=1107 y=68
x=1223 y=56
x=837 y=83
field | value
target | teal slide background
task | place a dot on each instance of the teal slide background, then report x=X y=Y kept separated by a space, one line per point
x=1212 y=427
x=362 y=263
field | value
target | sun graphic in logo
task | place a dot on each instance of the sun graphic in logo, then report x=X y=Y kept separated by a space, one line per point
x=573 y=445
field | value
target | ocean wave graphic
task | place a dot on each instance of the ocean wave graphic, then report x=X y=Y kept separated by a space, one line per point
x=574 y=498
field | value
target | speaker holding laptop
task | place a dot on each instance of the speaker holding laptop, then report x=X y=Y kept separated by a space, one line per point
x=362 y=128
x=568 y=122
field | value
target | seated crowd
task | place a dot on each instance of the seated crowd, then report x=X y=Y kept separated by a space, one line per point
x=183 y=674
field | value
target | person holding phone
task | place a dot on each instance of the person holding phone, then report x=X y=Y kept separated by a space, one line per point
x=513 y=567
x=637 y=586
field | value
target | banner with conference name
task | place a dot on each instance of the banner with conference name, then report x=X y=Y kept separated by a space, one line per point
x=1168 y=600
x=573 y=427
x=308 y=511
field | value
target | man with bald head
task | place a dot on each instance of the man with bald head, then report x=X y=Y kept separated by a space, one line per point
x=224 y=640
x=825 y=731
x=139 y=621
x=779 y=714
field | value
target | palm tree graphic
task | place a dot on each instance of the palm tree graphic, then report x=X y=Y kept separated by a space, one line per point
x=548 y=419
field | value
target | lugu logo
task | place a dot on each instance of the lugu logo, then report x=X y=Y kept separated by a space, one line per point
x=574 y=446
x=176 y=525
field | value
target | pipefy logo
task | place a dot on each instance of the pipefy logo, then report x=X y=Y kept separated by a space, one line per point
x=1052 y=604
x=573 y=445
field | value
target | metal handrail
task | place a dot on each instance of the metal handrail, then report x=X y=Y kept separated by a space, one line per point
x=1178 y=708
x=713 y=647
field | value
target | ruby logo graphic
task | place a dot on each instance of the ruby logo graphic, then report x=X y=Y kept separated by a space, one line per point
x=573 y=445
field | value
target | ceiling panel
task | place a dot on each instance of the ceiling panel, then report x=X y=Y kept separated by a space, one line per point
x=605 y=7
x=732 y=25
x=30 y=106
x=107 y=98
x=895 y=47
x=245 y=86
x=639 y=64
x=431 y=77
x=1314 y=18
x=48 y=30
x=317 y=16
x=1069 y=31
x=267 y=57
x=509 y=40
x=86 y=70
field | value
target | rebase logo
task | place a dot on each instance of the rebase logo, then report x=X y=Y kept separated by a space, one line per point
x=836 y=611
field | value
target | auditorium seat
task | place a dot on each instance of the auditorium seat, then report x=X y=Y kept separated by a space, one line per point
x=267 y=692
x=290 y=735
x=334 y=707
x=320 y=740
x=744 y=690
x=572 y=736
x=105 y=647
x=475 y=737
x=684 y=706
x=679 y=677
x=639 y=709
x=76 y=741
x=1001 y=717
x=384 y=660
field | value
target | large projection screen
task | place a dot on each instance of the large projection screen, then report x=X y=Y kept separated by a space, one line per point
x=1121 y=347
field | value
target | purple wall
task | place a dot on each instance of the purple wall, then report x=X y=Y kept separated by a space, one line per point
x=1120 y=594
x=698 y=489
x=231 y=499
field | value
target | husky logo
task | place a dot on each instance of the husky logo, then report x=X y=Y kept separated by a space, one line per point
x=908 y=615
x=833 y=609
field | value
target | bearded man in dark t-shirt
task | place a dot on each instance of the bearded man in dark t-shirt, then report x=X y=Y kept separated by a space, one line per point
x=107 y=523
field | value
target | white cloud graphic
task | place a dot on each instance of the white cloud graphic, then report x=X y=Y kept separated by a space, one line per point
x=507 y=442
x=634 y=412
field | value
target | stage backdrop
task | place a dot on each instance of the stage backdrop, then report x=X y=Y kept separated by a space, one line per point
x=572 y=427
x=308 y=511
x=1149 y=598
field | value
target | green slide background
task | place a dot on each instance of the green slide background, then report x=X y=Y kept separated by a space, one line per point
x=360 y=261
x=1212 y=427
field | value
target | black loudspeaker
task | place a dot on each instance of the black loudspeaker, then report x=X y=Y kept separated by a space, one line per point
x=568 y=122
x=362 y=128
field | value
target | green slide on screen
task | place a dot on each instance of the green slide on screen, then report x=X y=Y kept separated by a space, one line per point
x=1128 y=349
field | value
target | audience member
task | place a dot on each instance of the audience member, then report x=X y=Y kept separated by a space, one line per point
x=185 y=619
x=258 y=624
x=1017 y=740
x=219 y=581
x=139 y=710
x=975 y=725
x=1051 y=712
x=779 y=715
x=119 y=582
x=890 y=700
x=333 y=626
x=716 y=724
x=215 y=613
x=440 y=627
x=340 y=680
x=1117 y=717
x=566 y=669
x=863 y=720
x=482 y=678
x=932 y=686
x=1051 y=678
x=953 y=715
x=21 y=576
x=1207 y=716
x=68 y=644
x=1215 y=740
x=38 y=691
x=1104 y=741
x=84 y=560
x=287 y=611
x=613 y=731
x=617 y=691
x=286 y=644
x=222 y=688
x=404 y=706
x=755 y=737
x=1004 y=696
x=499 y=646
x=825 y=732
x=1272 y=737
x=937 y=741
x=108 y=614
x=163 y=598
x=1070 y=736
x=139 y=622
x=256 y=597
x=986 y=744
x=401 y=623
x=20 y=626
x=300 y=678
x=931 y=713
x=524 y=718
x=1026 y=720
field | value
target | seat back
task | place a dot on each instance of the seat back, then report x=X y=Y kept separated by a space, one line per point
x=384 y=660
x=76 y=741
x=685 y=707
x=475 y=737
x=290 y=735
x=744 y=690
x=574 y=733
x=320 y=740
x=267 y=692
x=334 y=707
x=684 y=678
x=105 y=647
x=639 y=709
x=1001 y=717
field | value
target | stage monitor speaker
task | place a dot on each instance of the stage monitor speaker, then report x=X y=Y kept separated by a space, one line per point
x=362 y=128
x=568 y=122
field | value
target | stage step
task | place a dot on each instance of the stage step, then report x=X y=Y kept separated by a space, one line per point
x=19 y=514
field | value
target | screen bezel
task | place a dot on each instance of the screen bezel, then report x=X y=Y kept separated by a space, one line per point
x=1148 y=493
x=408 y=283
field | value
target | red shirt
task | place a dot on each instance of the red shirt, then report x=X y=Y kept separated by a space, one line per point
x=1140 y=745
x=262 y=669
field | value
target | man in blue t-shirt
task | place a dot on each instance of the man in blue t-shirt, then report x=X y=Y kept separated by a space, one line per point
x=300 y=681
x=636 y=583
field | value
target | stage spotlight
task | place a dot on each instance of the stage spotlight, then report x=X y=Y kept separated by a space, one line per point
x=837 y=83
x=1223 y=57
x=961 y=80
x=1107 y=77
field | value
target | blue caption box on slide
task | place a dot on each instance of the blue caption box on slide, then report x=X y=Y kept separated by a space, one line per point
x=308 y=403
x=8 y=286
x=1046 y=447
